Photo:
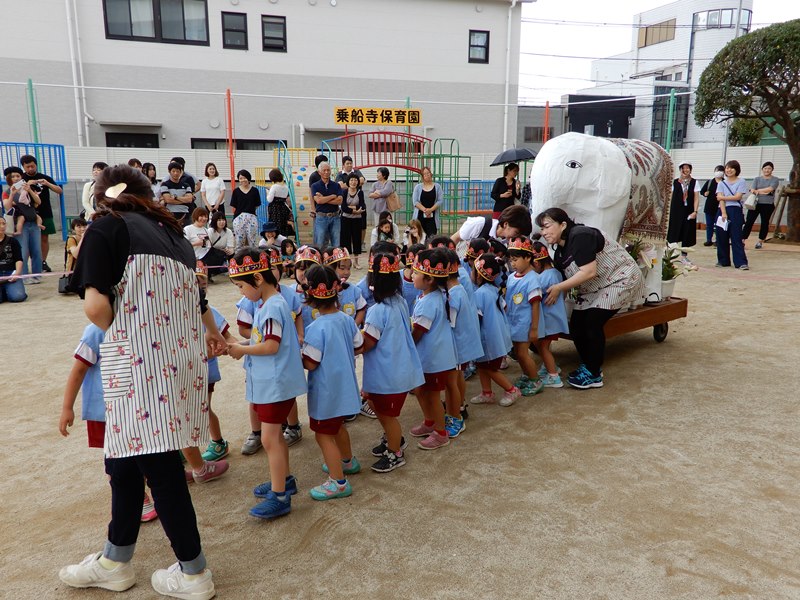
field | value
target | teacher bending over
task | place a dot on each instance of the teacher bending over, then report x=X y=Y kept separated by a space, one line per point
x=606 y=279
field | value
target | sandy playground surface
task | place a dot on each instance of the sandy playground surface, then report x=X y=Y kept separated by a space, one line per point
x=678 y=479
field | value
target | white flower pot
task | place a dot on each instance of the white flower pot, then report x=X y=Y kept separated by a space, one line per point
x=667 y=289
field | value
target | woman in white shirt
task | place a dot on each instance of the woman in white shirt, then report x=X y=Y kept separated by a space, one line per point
x=87 y=198
x=212 y=190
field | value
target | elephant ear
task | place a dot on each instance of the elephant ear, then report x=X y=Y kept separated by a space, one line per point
x=614 y=174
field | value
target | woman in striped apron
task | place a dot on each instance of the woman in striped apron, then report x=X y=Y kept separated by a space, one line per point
x=605 y=278
x=136 y=275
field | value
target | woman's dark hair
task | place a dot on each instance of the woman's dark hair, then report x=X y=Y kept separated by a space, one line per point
x=538 y=247
x=146 y=169
x=244 y=173
x=383 y=285
x=78 y=222
x=441 y=241
x=316 y=275
x=136 y=197
x=734 y=164
x=383 y=171
x=497 y=248
x=721 y=168
x=768 y=164
x=275 y=176
x=214 y=219
x=479 y=246
x=557 y=215
x=9 y=171
x=199 y=212
x=414 y=249
x=216 y=170
x=100 y=165
x=386 y=215
x=518 y=217
x=353 y=176
x=285 y=244
x=134 y=162
x=383 y=222
x=497 y=266
x=175 y=165
x=454 y=260
x=510 y=167
x=250 y=278
x=319 y=159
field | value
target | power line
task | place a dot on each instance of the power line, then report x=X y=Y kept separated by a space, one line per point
x=566 y=22
x=631 y=59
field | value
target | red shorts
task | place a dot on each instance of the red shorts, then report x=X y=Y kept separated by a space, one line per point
x=97 y=433
x=211 y=385
x=275 y=413
x=435 y=382
x=388 y=405
x=326 y=426
x=551 y=338
x=490 y=365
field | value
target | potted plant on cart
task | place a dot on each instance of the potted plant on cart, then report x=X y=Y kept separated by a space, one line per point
x=672 y=267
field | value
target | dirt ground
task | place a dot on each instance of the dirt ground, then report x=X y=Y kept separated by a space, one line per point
x=678 y=479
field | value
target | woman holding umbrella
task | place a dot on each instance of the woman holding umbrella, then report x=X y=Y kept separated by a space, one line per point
x=506 y=189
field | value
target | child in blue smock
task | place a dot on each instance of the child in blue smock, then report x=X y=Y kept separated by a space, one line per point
x=351 y=300
x=388 y=343
x=434 y=338
x=552 y=317
x=305 y=258
x=475 y=248
x=410 y=293
x=274 y=374
x=329 y=355
x=377 y=248
x=467 y=338
x=523 y=297
x=495 y=335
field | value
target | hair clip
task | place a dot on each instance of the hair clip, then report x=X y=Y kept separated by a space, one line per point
x=115 y=190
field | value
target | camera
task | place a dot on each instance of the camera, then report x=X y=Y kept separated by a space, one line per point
x=18 y=185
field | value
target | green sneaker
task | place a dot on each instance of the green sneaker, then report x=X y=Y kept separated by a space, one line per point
x=533 y=387
x=523 y=381
x=349 y=468
x=215 y=451
x=330 y=490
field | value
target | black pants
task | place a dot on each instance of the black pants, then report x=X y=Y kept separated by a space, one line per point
x=586 y=329
x=167 y=482
x=765 y=212
x=428 y=226
x=351 y=235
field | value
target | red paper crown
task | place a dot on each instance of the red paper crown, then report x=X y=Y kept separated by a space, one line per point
x=387 y=267
x=540 y=254
x=452 y=268
x=521 y=243
x=486 y=272
x=248 y=265
x=308 y=253
x=437 y=270
x=472 y=253
x=275 y=255
x=200 y=269
x=410 y=256
x=334 y=256
x=322 y=291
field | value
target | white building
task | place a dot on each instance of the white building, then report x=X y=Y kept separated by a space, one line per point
x=670 y=47
x=153 y=73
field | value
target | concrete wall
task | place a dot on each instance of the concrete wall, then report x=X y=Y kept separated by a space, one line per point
x=533 y=116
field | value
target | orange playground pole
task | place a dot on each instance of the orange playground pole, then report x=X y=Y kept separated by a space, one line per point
x=546 y=135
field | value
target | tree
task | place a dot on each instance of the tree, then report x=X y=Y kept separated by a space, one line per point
x=757 y=77
x=745 y=132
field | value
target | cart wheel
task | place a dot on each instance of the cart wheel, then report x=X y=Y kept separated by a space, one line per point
x=660 y=332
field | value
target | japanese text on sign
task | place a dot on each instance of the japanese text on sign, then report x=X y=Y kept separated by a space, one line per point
x=399 y=117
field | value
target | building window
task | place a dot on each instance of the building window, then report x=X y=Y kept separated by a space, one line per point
x=535 y=135
x=655 y=34
x=273 y=33
x=131 y=140
x=478 y=46
x=168 y=21
x=234 y=31
x=721 y=19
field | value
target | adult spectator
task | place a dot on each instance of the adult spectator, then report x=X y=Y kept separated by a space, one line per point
x=11 y=289
x=343 y=179
x=764 y=188
x=279 y=209
x=683 y=209
x=512 y=222
x=73 y=245
x=381 y=190
x=149 y=170
x=353 y=209
x=730 y=192
x=711 y=206
x=30 y=239
x=427 y=198
x=327 y=196
x=245 y=199
x=87 y=197
x=212 y=190
x=220 y=236
x=191 y=180
x=135 y=254
x=177 y=194
x=394 y=235
x=42 y=184
x=314 y=178
x=197 y=233
x=606 y=279
x=506 y=189
x=135 y=163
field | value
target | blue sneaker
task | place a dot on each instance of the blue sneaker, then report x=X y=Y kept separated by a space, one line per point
x=552 y=381
x=584 y=379
x=330 y=490
x=532 y=387
x=265 y=489
x=454 y=427
x=470 y=371
x=349 y=468
x=271 y=507
x=543 y=371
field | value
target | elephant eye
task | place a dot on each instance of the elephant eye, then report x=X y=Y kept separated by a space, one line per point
x=574 y=164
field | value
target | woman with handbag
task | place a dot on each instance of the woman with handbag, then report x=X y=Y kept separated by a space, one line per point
x=764 y=189
x=381 y=190
x=730 y=219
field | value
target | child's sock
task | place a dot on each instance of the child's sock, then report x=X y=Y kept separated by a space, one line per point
x=219 y=441
x=511 y=389
x=258 y=433
x=192 y=577
x=487 y=392
x=428 y=423
x=342 y=481
x=281 y=496
x=108 y=564
x=347 y=461
x=442 y=432
x=201 y=470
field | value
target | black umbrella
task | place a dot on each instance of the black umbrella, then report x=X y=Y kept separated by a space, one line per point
x=513 y=155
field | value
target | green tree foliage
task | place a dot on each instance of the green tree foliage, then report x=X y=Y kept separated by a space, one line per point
x=745 y=132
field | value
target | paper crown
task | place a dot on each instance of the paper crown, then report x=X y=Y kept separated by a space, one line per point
x=275 y=255
x=472 y=253
x=322 y=291
x=410 y=257
x=387 y=266
x=308 y=253
x=437 y=270
x=521 y=243
x=452 y=268
x=334 y=256
x=248 y=265
x=540 y=254
x=200 y=269
x=486 y=272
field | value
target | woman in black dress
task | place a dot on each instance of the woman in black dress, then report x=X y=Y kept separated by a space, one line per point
x=683 y=211
x=506 y=189
x=427 y=198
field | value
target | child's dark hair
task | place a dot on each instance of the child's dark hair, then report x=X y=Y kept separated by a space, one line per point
x=78 y=223
x=438 y=256
x=389 y=247
x=383 y=285
x=315 y=276
x=441 y=240
x=250 y=278
x=490 y=261
x=285 y=244
x=497 y=248
x=455 y=263
x=413 y=249
x=540 y=248
x=476 y=247
x=383 y=222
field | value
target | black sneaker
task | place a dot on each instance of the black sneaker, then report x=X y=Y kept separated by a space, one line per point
x=389 y=462
x=46 y=268
x=381 y=448
x=350 y=418
x=464 y=413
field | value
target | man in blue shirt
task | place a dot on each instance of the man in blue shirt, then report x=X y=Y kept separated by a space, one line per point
x=327 y=196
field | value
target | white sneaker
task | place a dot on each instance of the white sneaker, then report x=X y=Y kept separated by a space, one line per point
x=252 y=444
x=510 y=397
x=90 y=573
x=172 y=582
x=483 y=398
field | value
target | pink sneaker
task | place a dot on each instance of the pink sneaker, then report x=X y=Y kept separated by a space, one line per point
x=148 y=509
x=421 y=430
x=483 y=398
x=210 y=470
x=510 y=397
x=433 y=441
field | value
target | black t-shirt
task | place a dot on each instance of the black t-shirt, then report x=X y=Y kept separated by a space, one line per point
x=582 y=245
x=10 y=253
x=245 y=202
x=711 y=204
x=44 y=210
x=341 y=177
x=501 y=187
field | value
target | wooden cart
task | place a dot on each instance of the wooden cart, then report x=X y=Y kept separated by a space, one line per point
x=656 y=316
